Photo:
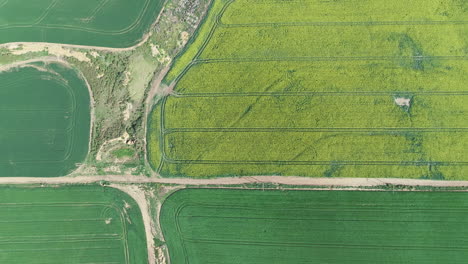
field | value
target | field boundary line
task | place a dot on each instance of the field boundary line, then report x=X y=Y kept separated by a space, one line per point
x=311 y=129
x=318 y=162
x=336 y=23
x=320 y=93
x=342 y=58
x=271 y=243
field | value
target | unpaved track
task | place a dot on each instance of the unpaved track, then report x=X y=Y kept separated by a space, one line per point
x=71 y=46
x=339 y=182
x=7 y=67
x=120 y=181
x=140 y=199
x=154 y=90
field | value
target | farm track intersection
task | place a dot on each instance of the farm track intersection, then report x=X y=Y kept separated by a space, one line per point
x=452 y=127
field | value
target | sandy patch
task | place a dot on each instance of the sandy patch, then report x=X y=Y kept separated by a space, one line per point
x=124 y=138
x=127 y=78
x=13 y=47
x=52 y=49
x=94 y=54
x=402 y=101
x=184 y=36
x=159 y=54
x=154 y=50
x=127 y=111
x=161 y=256
x=112 y=169
x=28 y=63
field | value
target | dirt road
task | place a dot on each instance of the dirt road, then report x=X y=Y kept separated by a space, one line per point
x=25 y=63
x=339 y=182
x=119 y=181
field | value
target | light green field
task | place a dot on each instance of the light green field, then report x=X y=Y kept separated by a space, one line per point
x=212 y=226
x=75 y=224
x=311 y=88
x=44 y=121
x=116 y=23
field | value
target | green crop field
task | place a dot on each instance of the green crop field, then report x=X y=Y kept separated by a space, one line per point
x=116 y=23
x=319 y=88
x=204 y=226
x=74 y=224
x=44 y=121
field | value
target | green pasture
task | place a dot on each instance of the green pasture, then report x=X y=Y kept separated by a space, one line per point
x=44 y=121
x=115 y=24
x=315 y=88
x=73 y=224
x=212 y=226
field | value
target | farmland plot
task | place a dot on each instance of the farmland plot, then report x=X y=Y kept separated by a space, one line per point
x=76 y=224
x=254 y=226
x=117 y=23
x=319 y=88
x=44 y=121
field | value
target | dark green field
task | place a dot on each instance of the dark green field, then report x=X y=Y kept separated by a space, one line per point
x=116 y=23
x=70 y=225
x=213 y=226
x=44 y=121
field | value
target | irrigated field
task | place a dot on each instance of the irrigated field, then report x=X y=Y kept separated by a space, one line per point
x=204 y=226
x=80 y=224
x=116 y=23
x=319 y=88
x=44 y=121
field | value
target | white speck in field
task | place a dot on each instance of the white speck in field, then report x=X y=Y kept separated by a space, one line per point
x=94 y=54
x=127 y=78
x=108 y=221
x=401 y=101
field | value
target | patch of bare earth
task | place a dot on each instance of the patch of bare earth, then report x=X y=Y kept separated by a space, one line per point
x=127 y=78
x=401 y=101
x=127 y=111
x=184 y=36
x=27 y=63
x=52 y=49
x=124 y=138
